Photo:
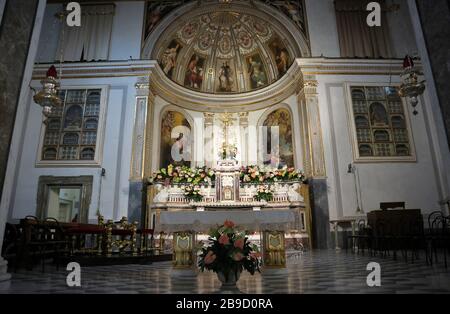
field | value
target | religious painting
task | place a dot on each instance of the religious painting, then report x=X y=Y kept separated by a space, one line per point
x=155 y=11
x=378 y=115
x=169 y=58
x=175 y=140
x=284 y=154
x=293 y=9
x=226 y=76
x=256 y=72
x=281 y=55
x=194 y=72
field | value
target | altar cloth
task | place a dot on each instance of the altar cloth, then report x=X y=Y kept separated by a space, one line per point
x=270 y=220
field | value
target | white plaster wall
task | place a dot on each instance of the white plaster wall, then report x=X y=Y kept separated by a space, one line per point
x=401 y=31
x=116 y=154
x=126 y=34
x=416 y=183
x=127 y=29
x=48 y=42
x=322 y=28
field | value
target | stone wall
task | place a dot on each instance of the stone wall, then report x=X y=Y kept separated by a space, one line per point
x=15 y=34
x=435 y=19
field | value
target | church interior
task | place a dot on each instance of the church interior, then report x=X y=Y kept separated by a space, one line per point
x=209 y=146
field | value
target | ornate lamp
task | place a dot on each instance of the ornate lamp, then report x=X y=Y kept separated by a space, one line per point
x=48 y=98
x=411 y=87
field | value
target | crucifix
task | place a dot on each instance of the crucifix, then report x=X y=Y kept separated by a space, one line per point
x=227 y=121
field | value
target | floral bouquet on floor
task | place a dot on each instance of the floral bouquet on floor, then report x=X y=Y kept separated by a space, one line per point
x=229 y=252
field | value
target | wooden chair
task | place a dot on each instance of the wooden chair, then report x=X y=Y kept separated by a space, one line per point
x=55 y=242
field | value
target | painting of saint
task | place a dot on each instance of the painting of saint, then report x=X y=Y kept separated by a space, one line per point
x=194 y=73
x=258 y=77
x=294 y=9
x=155 y=12
x=378 y=115
x=169 y=58
x=226 y=81
x=284 y=154
x=174 y=121
x=282 y=57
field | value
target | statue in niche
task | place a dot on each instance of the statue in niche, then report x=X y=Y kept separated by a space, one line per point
x=283 y=155
x=225 y=78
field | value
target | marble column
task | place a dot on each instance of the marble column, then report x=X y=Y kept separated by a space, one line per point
x=243 y=126
x=435 y=20
x=19 y=35
x=136 y=199
x=208 y=152
x=314 y=162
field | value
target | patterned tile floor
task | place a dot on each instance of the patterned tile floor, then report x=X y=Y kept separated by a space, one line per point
x=311 y=272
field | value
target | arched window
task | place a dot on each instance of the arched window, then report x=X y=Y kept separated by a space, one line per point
x=73 y=117
x=87 y=154
x=91 y=124
x=176 y=140
x=278 y=149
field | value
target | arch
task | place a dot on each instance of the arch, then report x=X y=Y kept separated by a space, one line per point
x=287 y=146
x=225 y=64
x=174 y=119
x=284 y=24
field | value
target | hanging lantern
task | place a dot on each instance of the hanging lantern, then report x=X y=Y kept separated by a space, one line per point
x=411 y=87
x=48 y=98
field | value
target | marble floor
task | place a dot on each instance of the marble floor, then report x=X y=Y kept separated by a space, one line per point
x=310 y=272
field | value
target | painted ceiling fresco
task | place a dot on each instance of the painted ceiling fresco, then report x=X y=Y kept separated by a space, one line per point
x=225 y=52
x=156 y=10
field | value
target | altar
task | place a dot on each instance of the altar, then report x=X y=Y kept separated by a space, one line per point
x=186 y=225
x=261 y=200
x=186 y=209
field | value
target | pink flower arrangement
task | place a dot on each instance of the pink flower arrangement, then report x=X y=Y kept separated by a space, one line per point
x=228 y=224
x=229 y=250
x=224 y=240
x=239 y=243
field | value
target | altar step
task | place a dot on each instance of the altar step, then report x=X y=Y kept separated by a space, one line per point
x=116 y=259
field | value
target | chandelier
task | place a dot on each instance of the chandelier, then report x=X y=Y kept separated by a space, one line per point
x=48 y=97
x=411 y=87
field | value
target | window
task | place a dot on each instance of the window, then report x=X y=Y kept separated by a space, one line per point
x=380 y=123
x=72 y=130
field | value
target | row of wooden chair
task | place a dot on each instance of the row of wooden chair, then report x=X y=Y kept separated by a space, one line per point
x=34 y=240
x=407 y=238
